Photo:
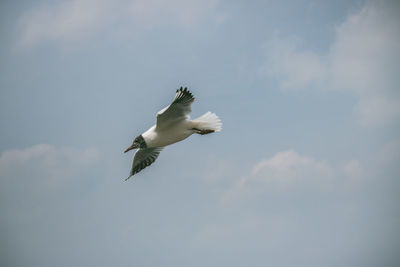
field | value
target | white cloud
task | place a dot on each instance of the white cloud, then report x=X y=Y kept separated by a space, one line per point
x=71 y=21
x=64 y=21
x=45 y=166
x=282 y=172
x=181 y=12
x=12 y=158
x=290 y=172
x=363 y=60
x=289 y=167
x=353 y=170
x=293 y=68
x=295 y=198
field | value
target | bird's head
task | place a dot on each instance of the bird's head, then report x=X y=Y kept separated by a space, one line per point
x=137 y=143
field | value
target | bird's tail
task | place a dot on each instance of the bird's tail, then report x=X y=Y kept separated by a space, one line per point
x=208 y=122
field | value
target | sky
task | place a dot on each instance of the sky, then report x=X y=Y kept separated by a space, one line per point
x=305 y=171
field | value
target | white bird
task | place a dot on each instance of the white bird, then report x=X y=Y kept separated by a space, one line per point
x=173 y=125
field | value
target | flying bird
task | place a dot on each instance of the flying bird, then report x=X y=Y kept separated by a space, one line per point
x=173 y=125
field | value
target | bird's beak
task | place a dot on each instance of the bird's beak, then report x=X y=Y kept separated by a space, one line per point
x=133 y=146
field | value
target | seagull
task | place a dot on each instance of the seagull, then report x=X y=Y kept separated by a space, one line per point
x=173 y=125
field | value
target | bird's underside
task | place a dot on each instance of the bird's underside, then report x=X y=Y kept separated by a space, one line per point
x=144 y=157
x=173 y=125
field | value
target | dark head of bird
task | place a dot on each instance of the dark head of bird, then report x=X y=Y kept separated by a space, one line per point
x=137 y=143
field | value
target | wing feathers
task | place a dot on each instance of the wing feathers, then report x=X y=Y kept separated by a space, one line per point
x=144 y=157
x=179 y=109
x=183 y=96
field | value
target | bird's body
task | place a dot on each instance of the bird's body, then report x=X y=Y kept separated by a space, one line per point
x=166 y=136
x=173 y=125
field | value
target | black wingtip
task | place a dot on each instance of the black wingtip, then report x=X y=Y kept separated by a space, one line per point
x=183 y=90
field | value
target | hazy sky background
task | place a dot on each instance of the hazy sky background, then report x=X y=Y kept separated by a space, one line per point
x=304 y=173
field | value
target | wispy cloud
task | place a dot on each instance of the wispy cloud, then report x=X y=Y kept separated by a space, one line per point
x=353 y=169
x=288 y=167
x=180 y=12
x=77 y=20
x=282 y=172
x=44 y=168
x=290 y=197
x=63 y=21
x=362 y=60
x=291 y=172
x=48 y=153
x=293 y=69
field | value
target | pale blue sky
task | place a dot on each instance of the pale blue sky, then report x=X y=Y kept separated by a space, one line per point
x=304 y=173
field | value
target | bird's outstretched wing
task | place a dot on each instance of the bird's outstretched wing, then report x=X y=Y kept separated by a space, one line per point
x=179 y=109
x=144 y=157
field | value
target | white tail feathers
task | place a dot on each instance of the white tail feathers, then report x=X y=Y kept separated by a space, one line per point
x=208 y=121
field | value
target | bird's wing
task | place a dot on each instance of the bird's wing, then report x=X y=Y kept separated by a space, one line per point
x=179 y=109
x=144 y=157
